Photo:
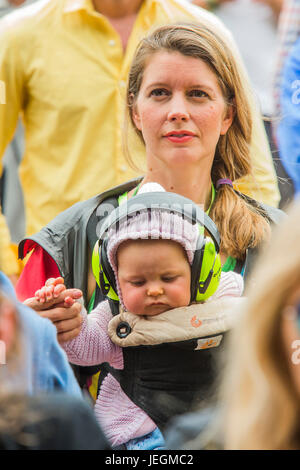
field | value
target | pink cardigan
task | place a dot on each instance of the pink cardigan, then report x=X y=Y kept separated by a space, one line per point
x=120 y=419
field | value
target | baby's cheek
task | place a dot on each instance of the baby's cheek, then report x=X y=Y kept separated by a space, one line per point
x=132 y=299
x=181 y=294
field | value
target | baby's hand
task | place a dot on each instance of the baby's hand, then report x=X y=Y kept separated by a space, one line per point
x=51 y=290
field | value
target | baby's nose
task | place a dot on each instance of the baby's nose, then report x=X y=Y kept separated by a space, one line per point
x=154 y=291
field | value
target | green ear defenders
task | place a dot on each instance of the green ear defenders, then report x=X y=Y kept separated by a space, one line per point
x=206 y=267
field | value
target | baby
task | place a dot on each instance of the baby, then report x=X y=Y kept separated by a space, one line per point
x=147 y=382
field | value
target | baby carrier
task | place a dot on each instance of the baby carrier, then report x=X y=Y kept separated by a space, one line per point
x=170 y=359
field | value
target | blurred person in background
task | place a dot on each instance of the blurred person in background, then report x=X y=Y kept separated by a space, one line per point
x=253 y=24
x=288 y=33
x=9 y=184
x=41 y=406
x=260 y=386
x=7 y=255
x=44 y=363
x=72 y=101
x=288 y=88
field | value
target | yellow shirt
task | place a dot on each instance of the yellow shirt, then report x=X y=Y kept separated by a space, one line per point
x=65 y=71
x=8 y=262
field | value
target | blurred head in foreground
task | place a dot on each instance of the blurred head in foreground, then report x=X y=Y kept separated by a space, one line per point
x=261 y=385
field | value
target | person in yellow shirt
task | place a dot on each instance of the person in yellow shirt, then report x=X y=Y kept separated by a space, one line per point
x=65 y=64
x=8 y=259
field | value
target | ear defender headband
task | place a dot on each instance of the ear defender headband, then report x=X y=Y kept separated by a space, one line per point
x=206 y=266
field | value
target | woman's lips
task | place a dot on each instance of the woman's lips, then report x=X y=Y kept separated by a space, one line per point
x=180 y=137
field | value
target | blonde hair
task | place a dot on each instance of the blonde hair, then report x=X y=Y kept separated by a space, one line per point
x=261 y=409
x=232 y=158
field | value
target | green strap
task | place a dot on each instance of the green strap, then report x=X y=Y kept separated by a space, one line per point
x=91 y=302
x=123 y=197
x=229 y=264
x=213 y=195
x=136 y=189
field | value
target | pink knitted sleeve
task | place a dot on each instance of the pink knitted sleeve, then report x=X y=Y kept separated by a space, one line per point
x=93 y=346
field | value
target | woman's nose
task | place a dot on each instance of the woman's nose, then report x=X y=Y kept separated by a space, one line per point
x=178 y=110
x=155 y=291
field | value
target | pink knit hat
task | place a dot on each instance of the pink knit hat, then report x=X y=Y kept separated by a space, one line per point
x=152 y=224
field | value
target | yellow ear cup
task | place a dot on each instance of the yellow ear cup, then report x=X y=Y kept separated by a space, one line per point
x=111 y=294
x=210 y=271
x=96 y=262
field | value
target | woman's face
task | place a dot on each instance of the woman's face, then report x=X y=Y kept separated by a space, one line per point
x=180 y=110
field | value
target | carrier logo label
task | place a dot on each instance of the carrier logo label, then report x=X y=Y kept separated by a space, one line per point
x=206 y=343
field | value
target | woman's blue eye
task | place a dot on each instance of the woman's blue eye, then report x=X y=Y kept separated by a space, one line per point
x=198 y=93
x=159 y=92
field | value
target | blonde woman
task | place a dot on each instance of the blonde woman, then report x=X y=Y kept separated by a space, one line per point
x=188 y=103
x=207 y=101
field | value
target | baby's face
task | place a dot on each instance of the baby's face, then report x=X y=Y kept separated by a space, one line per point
x=154 y=276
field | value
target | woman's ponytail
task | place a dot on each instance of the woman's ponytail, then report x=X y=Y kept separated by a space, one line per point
x=241 y=224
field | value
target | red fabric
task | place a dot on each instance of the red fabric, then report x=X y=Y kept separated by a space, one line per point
x=37 y=270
